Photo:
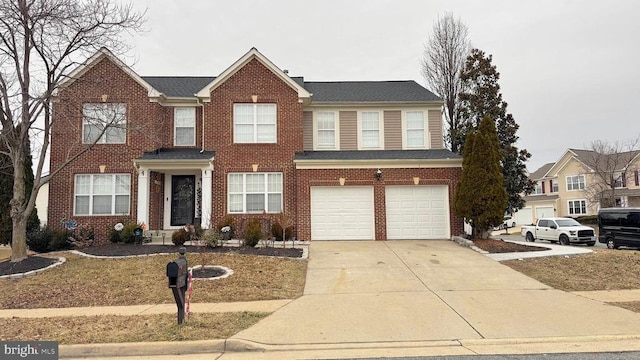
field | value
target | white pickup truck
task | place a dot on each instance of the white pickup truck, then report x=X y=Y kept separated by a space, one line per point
x=562 y=230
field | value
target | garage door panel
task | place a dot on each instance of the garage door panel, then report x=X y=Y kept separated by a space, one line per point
x=342 y=213
x=417 y=212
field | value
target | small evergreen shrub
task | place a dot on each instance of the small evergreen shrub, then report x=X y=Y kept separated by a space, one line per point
x=62 y=240
x=126 y=235
x=114 y=236
x=227 y=221
x=39 y=239
x=276 y=231
x=178 y=238
x=253 y=234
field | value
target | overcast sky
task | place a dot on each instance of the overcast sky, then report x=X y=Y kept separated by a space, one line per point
x=569 y=69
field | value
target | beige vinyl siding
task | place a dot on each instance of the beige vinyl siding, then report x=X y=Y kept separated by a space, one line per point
x=435 y=129
x=348 y=130
x=393 y=130
x=307 y=130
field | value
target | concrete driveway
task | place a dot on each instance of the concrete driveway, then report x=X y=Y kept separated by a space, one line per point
x=426 y=291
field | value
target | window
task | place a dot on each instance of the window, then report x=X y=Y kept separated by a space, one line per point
x=415 y=130
x=619 y=180
x=104 y=123
x=370 y=130
x=326 y=130
x=102 y=194
x=538 y=189
x=577 y=207
x=254 y=123
x=255 y=192
x=575 y=182
x=554 y=186
x=184 y=126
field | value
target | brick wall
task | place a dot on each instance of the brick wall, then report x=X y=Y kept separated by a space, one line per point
x=365 y=177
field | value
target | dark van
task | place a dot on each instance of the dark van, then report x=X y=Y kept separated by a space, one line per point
x=619 y=227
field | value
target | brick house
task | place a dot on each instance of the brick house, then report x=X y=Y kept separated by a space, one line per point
x=345 y=160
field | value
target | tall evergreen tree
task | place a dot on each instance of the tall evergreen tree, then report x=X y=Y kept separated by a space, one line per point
x=483 y=98
x=481 y=197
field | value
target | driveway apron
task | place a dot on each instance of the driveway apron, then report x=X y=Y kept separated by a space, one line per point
x=432 y=290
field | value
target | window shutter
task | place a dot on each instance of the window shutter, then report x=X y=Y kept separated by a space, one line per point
x=624 y=180
x=543 y=187
x=637 y=180
x=551 y=185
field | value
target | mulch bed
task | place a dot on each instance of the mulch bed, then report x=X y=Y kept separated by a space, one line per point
x=499 y=246
x=206 y=273
x=29 y=264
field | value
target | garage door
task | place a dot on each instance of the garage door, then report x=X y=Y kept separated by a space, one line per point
x=544 y=211
x=417 y=212
x=342 y=213
x=524 y=216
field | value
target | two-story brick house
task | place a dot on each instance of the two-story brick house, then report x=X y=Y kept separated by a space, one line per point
x=571 y=186
x=345 y=160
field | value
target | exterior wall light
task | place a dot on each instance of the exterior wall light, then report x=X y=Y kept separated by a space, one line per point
x=378 y=175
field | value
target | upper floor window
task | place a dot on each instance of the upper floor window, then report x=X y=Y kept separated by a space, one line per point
x=554 y=186
x=415 y=130
x=619 y=180
x=255 y=192
x=104 y=123
x=575 y=182
x=102 y=194
x=370 y=130
x=538 y=190
x=184 y=126
x=254 y=123
x=577 y=207
x=326 y=128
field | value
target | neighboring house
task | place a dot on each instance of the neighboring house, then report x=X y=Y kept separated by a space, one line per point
x=42 y=203
x=572 y=187
x=345 y=160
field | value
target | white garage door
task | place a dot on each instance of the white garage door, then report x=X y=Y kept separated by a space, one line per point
x=342 y=213
x=524 y=216
x=417 y=212
x=544 y=211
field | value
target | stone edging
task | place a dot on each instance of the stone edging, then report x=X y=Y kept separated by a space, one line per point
x=467 y=243
x=228 y=272
x=60 y=261
x=305 y=255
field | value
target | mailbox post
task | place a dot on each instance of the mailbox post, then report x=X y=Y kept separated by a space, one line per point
x=177 y=273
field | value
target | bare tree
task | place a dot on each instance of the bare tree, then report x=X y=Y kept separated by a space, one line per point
x=443 y=60
x=609 y=165
x=40 y=42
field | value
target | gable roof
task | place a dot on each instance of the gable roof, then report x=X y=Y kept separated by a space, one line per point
x=370 y=91
x=179 y=86
x=593 y=160
x=541 y=172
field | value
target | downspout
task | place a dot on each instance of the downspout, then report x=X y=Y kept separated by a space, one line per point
x=202 y=134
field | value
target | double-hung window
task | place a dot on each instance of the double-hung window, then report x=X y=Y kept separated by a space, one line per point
x=577 y=207
x=184 y=126
x=254 y=123
x=104 y=123
x=326 y=130
x=538 y=189
x=370 y=130
x=575 y=182
x=415 y=132
x=255 y=192
x=102 y=194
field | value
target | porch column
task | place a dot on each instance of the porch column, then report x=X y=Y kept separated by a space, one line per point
x=143 y=195
x=205 y=221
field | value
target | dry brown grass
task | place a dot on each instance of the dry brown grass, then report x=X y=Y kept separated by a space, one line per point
x=120 y=329
x=105 y=282
x=603 y=269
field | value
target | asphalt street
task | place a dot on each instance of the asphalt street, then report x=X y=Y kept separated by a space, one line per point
x=572 y=356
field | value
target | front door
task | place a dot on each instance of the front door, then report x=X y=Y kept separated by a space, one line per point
x=183 y=191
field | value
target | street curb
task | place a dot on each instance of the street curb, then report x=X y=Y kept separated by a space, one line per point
x=241 y=345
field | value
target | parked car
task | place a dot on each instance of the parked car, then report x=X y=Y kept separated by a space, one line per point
x=619 y=227
x=508 y=222
x=562 y=230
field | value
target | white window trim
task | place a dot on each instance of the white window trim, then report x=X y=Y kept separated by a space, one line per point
x=427 y=136
x=538 y=186
x=555 y=185
x=336 y=116
x=175 y=127
x=571 y=182
x=586 y=206
x=244 y=193
x=91 y=195
x=380 y=130
x=255 y=124
x=103 y=139
x=617 y=176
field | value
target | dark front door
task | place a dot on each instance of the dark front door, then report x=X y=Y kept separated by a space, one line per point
x=183 y=191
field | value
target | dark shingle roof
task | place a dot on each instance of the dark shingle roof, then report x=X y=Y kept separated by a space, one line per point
x=177 y=154
x=178 y=86
x=369 y=91
x=541 y=172
x=433 y=154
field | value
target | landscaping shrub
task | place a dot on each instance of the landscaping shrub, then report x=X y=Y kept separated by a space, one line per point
x=179 y=237
x=39 y=239
x=588 y=219
x=227 y=221
x=276 y=231
x=114 y=236
x=61 y=240
x=126 y=235
x=253 y=234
